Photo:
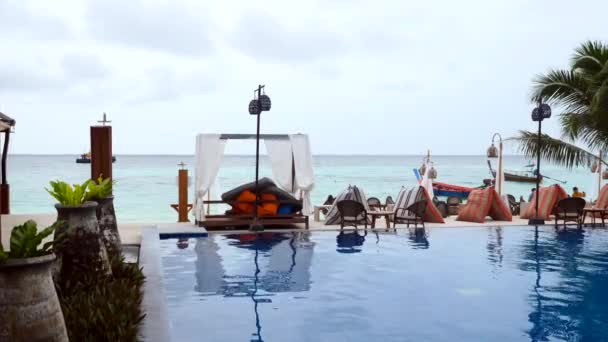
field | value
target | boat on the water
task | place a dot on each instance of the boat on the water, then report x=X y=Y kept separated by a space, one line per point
x=85 y=158
x=527 y=176
x=441 y=189
x=450 y=190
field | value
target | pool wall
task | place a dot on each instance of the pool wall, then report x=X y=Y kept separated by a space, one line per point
x=156 y=322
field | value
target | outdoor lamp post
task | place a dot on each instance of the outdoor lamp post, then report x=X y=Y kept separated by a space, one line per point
x=543 y=111
x=260 y=103
x=494 y=152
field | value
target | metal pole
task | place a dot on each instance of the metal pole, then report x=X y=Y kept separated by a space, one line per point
x=498 y=177
x=256 y=225
x=538 y=172
x=500 y=180
x=599 y=175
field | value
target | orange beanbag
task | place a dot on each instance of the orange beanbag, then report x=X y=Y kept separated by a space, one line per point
x=499 y=210
x=602 y=201
x=268 y=208
x=248 y=197
x=477 y=207
x=549 y=196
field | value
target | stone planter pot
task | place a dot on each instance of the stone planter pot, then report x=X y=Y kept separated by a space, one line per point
x=29 y=307
x=108 y=225
x=81 y=250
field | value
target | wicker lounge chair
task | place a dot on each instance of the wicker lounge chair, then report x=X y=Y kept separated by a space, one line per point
x=352 y=213
x=329 y=201
x=513 y=205
x=570 y=210
x=453 y=205
x=413 y=214
x=389 y=200
x=374 y=203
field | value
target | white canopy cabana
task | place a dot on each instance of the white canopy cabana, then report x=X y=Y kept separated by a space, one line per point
x=290 y=160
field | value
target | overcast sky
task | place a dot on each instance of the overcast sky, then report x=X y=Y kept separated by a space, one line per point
x=360 y=77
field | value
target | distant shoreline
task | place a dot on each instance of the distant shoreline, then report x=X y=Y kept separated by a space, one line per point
x=253 y=155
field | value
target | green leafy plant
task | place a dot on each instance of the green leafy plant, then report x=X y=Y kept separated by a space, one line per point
x=103 y=307
x=100 y=189
x=25 y=240
x=3 y=254
x=67 y=194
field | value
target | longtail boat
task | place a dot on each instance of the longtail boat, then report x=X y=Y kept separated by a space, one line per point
x=451 y=190
x=517 y=176
x=446 y=190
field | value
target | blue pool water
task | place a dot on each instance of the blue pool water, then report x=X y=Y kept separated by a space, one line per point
x=471 y=284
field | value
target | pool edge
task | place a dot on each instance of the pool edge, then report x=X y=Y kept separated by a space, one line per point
x=156 y=326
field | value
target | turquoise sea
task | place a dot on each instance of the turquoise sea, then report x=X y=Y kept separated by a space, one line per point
x=146 y=185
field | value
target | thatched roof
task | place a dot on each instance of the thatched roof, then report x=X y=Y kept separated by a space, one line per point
x=6 y=122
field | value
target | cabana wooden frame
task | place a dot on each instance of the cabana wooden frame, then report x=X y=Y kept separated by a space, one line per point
x=226 y=221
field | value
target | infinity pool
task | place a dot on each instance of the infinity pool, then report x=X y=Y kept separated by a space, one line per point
x=466 y=284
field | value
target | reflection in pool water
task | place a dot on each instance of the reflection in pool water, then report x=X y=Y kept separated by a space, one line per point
x=473 y=284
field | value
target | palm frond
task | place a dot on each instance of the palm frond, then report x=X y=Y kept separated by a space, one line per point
x=592 y=48
x=588 y=65
x=565 y=88
x=553 y=150
x=600 y=100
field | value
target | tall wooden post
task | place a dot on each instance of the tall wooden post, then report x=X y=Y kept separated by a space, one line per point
x=182 y=199
x=101 y=150
x=182 y=207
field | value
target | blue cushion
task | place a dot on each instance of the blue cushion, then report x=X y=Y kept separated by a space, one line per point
x=286 y=209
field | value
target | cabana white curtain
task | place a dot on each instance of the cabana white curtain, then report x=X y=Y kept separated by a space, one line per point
x=283 y=154
x=281 y=161
x=209 y=155
x=305 y=179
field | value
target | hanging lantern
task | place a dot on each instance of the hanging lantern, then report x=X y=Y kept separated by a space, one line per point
x=594 y=167
x=432 y=173
x=605 y=174
x=254 y=107
x=264 y=102
x=422 y=169
x=492 y=151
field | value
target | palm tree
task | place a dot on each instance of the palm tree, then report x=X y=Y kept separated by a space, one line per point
x=582 y=94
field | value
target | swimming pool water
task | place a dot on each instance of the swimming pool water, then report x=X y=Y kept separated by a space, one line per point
x=470 y=284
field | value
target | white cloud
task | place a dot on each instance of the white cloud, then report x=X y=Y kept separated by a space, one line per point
x=16 y=18
x=83 y=66
x=463 y=68
x=170 y=27
x=263 y=37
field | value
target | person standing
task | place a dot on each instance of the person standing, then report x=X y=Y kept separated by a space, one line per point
x=531 y=194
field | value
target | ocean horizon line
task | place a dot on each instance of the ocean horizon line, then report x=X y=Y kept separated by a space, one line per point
x=263 y=154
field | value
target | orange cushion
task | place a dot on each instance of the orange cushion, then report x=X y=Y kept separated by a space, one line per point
x=602 y=200
x=549 y=196
x=499 y=211
x=268 y=209
x=244 y=208
x=431 y=214
x=477 y=207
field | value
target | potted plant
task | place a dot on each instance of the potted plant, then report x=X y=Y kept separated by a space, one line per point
x=101 y=193
x=82 y=249
x=29 y=306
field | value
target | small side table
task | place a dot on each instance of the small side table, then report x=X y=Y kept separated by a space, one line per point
x=318 y=209
x=592 y=212
x=386 y=214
